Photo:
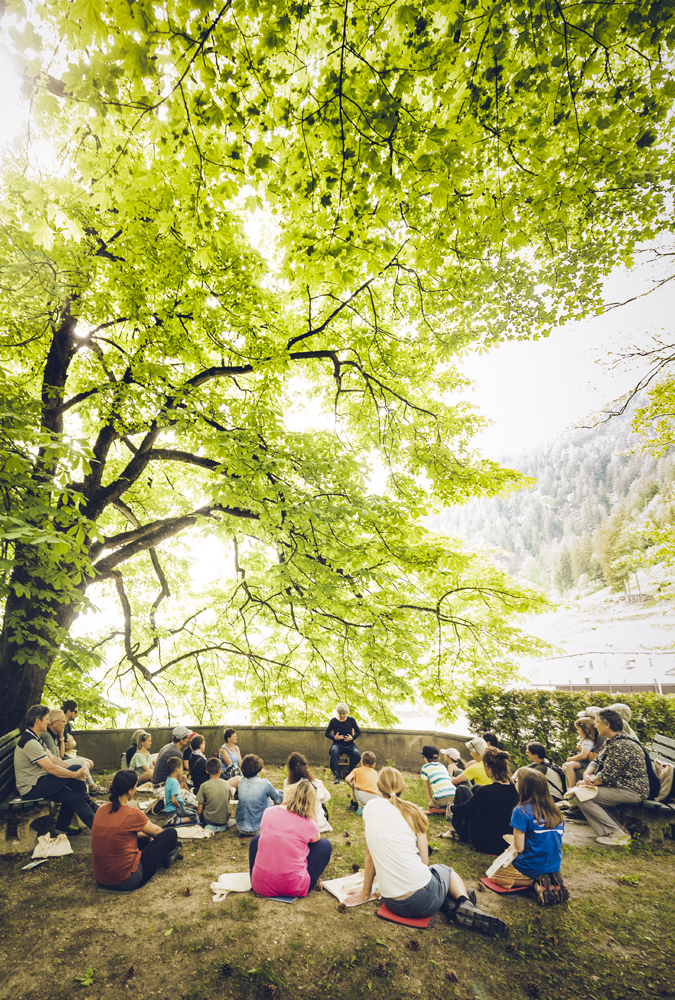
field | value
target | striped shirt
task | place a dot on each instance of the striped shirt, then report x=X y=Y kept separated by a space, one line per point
x=439 y=779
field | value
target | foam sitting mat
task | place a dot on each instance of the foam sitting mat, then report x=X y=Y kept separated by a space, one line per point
x=500 y=888
x=386 y=914
x=435 y=812
x=283 y=899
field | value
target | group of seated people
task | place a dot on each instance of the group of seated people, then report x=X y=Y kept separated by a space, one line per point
x=287 y=853
x=609 y=760
x=46 y=766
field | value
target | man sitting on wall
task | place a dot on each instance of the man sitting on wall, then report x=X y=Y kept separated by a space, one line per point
x=343 y=731
x=620 y=776
x=54 y=740
x=39 y=774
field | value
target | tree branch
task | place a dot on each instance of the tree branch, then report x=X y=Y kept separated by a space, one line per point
x=150 y=535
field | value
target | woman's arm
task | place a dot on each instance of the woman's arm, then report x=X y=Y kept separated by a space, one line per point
x=272 y=793
x=354 y=898
x=458 y=779
x=423 y=847
x=224 y=756
x=151 y=830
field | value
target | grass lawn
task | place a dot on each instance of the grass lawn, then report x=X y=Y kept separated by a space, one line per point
x=61 y=939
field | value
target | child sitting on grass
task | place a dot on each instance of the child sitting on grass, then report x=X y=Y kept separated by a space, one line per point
x=537 y=836
x=178 y=812
x=363 y=781
x=255 y=795
x=213 y=799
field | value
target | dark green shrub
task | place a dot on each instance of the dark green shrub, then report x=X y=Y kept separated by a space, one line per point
x=522 y=715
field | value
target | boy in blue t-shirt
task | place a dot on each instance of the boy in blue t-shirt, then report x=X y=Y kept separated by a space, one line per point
x=173 y=798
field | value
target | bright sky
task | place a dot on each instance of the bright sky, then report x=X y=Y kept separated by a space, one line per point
x=534 y=390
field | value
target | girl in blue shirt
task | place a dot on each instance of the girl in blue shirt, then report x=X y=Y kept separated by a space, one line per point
x=537 y=836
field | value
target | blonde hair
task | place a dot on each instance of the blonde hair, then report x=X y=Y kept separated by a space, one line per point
x=587 y=729
x=390 y=782
x=300 y=798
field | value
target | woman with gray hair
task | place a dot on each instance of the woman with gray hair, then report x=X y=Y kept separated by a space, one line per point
x=343 y=731
x=626 y=715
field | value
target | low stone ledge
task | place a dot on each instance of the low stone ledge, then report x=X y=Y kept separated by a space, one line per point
x=398 y=747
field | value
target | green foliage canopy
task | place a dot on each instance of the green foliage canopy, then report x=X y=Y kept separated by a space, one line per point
x=428 y=177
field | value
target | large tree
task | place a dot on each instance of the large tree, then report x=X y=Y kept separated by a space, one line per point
x=218 y=215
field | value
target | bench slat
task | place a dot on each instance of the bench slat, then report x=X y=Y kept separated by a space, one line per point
x=6 y=767
x=8 y=741
x=659 y=806
x=659 y=738
x=7 y=790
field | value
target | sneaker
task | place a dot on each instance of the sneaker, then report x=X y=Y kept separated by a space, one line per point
x=336 y=781
x=174 y=856
x=72 y=831
x=353 y=806
x=468 y=915
x=551 y=889
x=618 y=840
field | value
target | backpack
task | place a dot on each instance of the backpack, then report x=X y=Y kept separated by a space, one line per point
x=654 y=780
x=559 y=771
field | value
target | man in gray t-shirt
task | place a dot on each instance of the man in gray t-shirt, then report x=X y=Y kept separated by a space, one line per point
x=180 y=737
x=39 y=774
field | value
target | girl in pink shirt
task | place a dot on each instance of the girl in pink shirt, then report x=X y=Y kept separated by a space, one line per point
x=287 y=857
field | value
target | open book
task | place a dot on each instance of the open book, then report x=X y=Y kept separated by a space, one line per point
x=342 y=887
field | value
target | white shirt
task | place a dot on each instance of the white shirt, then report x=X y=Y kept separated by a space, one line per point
x=393 y=848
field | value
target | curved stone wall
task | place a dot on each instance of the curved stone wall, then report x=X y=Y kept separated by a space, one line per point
x=398 y=747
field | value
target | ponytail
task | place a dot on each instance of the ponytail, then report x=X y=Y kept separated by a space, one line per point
x=390 y=782
x=122 y=784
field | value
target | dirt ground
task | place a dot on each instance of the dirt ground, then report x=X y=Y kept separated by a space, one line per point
x=61 y=939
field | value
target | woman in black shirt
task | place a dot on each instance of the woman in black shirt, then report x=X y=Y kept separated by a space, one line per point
x=482 y=814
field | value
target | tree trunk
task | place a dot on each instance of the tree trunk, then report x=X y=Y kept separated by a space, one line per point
x=42 y=623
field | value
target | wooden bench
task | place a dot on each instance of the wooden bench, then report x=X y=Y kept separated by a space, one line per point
x=655 y=816
x=17 y=814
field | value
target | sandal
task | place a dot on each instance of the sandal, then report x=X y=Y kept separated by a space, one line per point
x=449 y=835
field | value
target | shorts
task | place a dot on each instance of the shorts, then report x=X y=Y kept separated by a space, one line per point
x=427 y=900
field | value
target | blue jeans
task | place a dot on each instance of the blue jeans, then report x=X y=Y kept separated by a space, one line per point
x=427 y=900
x=353 y=754
x=317 y=859
x=69 y=792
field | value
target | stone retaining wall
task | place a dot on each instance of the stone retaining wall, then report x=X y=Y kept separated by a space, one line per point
x=399 y=747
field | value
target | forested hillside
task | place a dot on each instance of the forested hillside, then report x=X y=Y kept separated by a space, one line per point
x=587 y=522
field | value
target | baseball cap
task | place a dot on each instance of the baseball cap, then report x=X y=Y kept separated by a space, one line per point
x=180 y=732
x=451 y=752
x=428 y=751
